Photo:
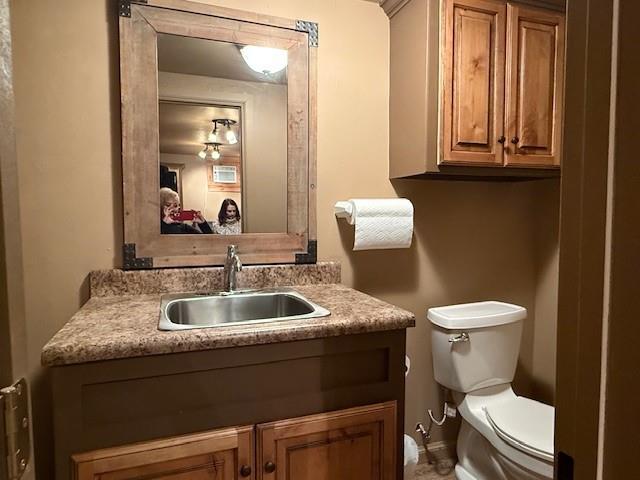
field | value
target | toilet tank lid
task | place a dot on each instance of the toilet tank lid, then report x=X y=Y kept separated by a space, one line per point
x=476 y=315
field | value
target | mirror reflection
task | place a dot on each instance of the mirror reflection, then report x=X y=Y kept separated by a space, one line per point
x=223 y=137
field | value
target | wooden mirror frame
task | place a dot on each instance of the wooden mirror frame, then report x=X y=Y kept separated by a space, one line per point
x=144 y=245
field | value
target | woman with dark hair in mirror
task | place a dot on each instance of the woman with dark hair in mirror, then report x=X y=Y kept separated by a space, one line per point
x=172 y=218
x=228 y=222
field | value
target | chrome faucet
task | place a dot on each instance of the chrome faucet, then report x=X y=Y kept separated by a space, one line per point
x=232 y=265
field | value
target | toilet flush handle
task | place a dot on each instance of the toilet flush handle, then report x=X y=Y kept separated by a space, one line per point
x=463 y=337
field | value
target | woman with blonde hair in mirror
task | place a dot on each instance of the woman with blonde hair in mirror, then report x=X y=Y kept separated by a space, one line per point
x=172 y=217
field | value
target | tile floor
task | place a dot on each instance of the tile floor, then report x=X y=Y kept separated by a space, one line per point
x=443 y=471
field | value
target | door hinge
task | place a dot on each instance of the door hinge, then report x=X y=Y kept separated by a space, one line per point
x=17 y=433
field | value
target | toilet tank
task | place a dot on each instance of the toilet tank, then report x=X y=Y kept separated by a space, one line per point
x=475 y=345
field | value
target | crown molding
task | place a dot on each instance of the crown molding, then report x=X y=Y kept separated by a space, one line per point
x=391 y=7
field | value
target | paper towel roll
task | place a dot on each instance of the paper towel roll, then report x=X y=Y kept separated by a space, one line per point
x=382 y=223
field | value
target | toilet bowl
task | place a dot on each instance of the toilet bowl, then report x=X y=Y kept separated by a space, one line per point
x=503 y=436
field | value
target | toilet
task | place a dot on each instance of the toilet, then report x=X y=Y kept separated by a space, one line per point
x=503 y=436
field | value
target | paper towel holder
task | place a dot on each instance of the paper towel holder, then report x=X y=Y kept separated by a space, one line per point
x=381 y=223
x=343 y=209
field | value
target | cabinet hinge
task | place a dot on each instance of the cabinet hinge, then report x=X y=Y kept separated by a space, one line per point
x=16 y=427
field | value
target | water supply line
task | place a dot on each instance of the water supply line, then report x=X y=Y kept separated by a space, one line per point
x=447 y=411
x=441 y=421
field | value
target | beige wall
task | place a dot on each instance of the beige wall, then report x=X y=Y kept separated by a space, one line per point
x=264 y=111
x=546 y=200
x=67 y=121
x=473 y=240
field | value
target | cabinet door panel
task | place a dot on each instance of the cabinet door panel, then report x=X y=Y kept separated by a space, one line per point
x=535 y=64
x=471 y=100
x=216 y=455
x=215 y=466
x=473 y=88
x=350 y=453
x=354 y=444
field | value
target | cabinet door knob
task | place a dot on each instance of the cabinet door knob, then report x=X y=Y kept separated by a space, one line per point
x=502 y=139
x=245 y=470
x=515 y=140
x=269 y=467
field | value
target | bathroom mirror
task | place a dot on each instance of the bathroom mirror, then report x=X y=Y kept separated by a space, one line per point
x=218 y=135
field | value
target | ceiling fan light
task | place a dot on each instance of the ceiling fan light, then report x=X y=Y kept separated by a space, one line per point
x=203 y=153
x=215 y=154
x=265 y=60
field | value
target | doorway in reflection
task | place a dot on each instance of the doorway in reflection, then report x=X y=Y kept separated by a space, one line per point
x=201 y=161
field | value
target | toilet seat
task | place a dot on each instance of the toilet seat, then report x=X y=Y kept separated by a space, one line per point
x=524 y=424
x=514 y=444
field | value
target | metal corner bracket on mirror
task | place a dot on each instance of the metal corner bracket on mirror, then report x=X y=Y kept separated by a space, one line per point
x=124 y=7
x=312 y=253
x=312 y=29
x=131 y=262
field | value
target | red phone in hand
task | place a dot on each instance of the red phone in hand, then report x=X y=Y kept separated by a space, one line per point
x=184 y=215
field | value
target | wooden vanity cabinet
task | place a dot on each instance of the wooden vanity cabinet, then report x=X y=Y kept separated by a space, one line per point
x=356 y=444
x=476 y=89
x=318 y=409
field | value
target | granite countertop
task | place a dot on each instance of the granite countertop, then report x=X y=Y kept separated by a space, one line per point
x=116 y=327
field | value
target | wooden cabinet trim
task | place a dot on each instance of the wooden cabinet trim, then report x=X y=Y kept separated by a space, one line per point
x=545 y=21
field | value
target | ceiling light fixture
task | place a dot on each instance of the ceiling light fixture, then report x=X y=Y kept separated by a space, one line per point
x=211 y=148
x=213 y=136
x=215 y=152
x=229 y=135
x=265 y=60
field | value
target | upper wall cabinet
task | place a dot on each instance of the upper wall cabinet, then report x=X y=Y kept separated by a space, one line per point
x=476 y=89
